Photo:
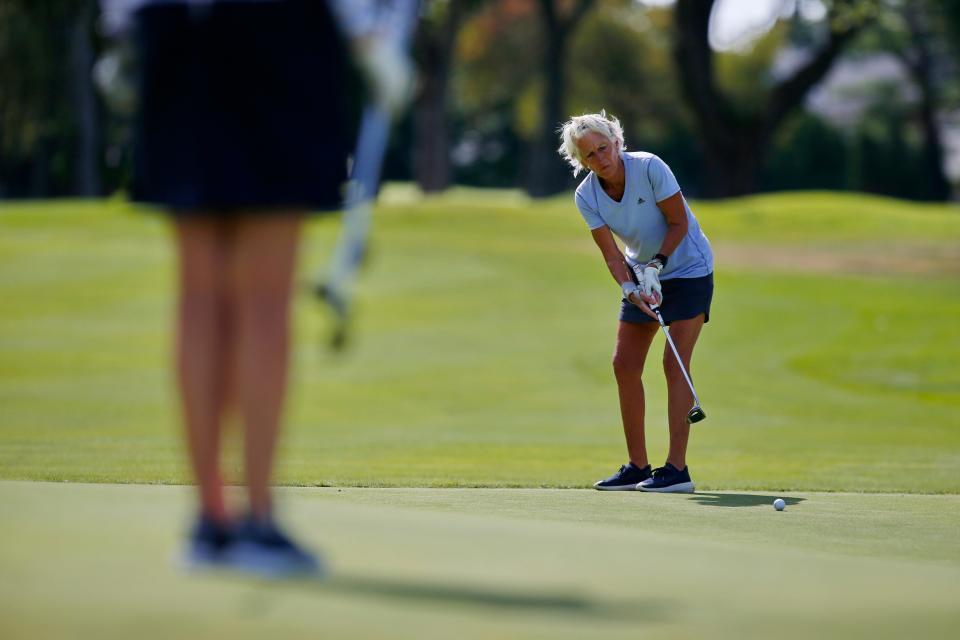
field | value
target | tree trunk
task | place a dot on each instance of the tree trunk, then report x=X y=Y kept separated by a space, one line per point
x=939 y=184
x=87 y=162
x=544 y=163
x=921 y=68
x=40 y=169
x=431 y=153
x=431 y=156
x=734 y=145
x=547 y=172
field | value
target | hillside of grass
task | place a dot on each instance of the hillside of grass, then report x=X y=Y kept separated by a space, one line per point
x=483 y=338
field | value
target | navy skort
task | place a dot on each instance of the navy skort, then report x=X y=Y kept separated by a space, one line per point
x=683 y=299
x=242 y=106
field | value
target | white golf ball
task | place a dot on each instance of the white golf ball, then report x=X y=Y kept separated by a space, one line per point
x=779 y=504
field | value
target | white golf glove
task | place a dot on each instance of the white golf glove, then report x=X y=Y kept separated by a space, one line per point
x=629 y=289
x=650 y=283
x=388 y=69
x=114 y=76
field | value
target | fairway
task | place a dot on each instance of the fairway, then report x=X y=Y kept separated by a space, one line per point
x=441 y=463
x=483 y=343
x=482 y=563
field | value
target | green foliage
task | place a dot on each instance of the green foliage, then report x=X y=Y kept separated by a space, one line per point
x=497 y=56
x=37 y=122
x=620 y=58
x=615 y=66
x=746 y=75
x=847 y=14
x=887 y=150
x=951 y=13
x=807 y=153
x=620 y=61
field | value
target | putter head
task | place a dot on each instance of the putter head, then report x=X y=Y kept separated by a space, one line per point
x=696 y=414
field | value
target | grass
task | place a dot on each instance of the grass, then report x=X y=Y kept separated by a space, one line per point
x=483 y=342
x=484 y=563
x=828 y=372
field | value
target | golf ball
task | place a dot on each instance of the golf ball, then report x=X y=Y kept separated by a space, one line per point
x=779 y=504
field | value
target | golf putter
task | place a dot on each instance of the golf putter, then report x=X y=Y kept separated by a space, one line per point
x=336 y=285
x=696 y=414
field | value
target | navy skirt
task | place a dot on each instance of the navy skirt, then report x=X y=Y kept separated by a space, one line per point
x=242 y=106
x=683 y=299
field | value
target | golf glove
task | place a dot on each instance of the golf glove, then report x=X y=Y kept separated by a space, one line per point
x=650 y=283
x=115 y=76
x=378 y=36
x=389 y=71
x=629 y=289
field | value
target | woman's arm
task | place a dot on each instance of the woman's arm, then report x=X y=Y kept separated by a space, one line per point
x=619 y=268
x=676 y=216
x=616 y=263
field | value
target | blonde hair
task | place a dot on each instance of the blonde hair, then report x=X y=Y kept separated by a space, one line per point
x=578 y=126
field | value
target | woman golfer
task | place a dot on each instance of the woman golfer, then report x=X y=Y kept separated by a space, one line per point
x=241 y=133
x=667 y=261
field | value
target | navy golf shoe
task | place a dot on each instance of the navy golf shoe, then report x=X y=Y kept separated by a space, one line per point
x=261 y=548
x=206 y=544
x=626 y=479
x=668 y=479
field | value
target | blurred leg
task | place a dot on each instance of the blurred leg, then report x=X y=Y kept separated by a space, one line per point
x=202 y=349
x=679 y=398
x=264 y=259
x=633 y=343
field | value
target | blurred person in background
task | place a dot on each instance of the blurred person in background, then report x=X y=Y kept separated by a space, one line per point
x=667 y=262
x=241 y=131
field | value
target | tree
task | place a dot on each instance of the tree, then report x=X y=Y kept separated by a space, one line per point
x=87 y=157
x=494 y=77
x=951 y=13
x=49 y=116
x=433 y=49
x=919 y=56
x=546 y=177
x=902 y=126
x=736 y=141
x=620 y=61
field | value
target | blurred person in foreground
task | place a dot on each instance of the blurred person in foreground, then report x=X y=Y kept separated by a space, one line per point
x=240 y=132
x=667 y=261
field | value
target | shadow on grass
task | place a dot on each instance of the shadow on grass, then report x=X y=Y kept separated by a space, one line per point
x=442 y=594
x=741 y=499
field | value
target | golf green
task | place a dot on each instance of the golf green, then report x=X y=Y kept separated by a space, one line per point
x=84 y=561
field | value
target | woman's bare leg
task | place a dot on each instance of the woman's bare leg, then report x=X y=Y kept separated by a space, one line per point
x=202 y=349
x=633 y=343
x=679 y=398
x=263 y=265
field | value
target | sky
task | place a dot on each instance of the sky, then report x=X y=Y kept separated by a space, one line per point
x=734 y=24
